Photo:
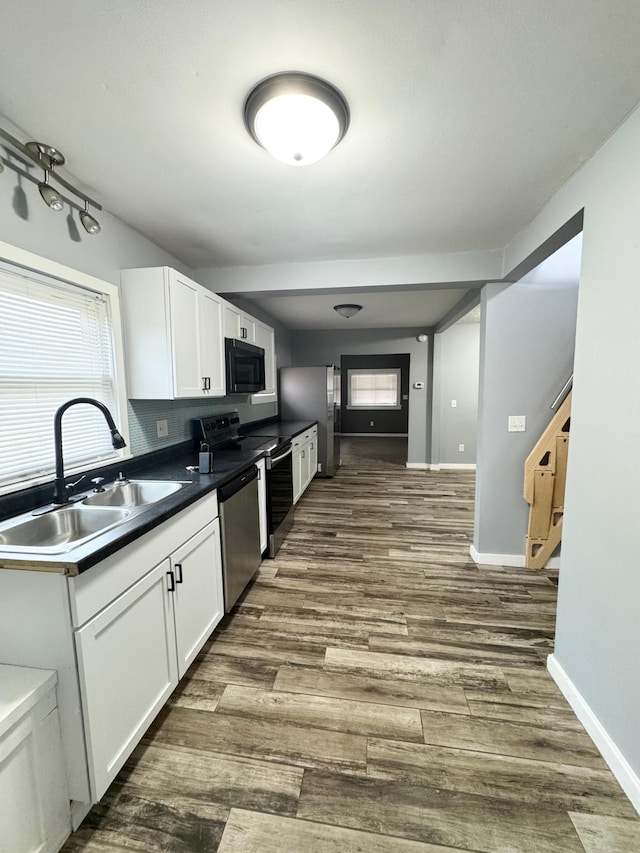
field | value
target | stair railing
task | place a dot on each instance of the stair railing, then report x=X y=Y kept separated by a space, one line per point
x=545 y=475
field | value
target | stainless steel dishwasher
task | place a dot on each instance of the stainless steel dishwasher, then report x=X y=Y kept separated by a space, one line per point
x=240 y=526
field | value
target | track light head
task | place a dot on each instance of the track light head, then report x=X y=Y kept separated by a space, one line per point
x=49 y=195
x=90 y=225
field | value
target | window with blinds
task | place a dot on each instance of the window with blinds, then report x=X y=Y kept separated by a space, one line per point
x=56 y=343
x=373 y=388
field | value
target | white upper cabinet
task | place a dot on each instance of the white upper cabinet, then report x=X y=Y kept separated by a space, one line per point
x=174 y=337
x=244 y=327
x=265 y=338
x=239 y=325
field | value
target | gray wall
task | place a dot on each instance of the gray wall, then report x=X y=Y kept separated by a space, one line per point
x=527 y=341
x=26 y=222
x=598 y=630
x=456 y=376
x=326 y=347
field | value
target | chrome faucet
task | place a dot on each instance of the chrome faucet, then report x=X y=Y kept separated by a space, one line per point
x=60 y=490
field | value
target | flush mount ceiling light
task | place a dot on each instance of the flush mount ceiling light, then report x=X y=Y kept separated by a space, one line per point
x=48 y=158
x=297 y=117
x=347 y=310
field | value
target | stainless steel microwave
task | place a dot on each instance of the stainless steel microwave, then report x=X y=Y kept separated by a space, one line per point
x=245 y=367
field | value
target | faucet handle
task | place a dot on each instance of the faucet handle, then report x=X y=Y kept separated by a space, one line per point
x=97 y=481
x=121 y=479
x=71 y=486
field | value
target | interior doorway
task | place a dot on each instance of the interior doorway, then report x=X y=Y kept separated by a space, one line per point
x=375 y=394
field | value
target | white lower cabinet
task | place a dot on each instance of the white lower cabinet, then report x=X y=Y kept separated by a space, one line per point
x=128 y=669
x=305 y=460
x=34 y=803
x=198 y=603
x=132 y=654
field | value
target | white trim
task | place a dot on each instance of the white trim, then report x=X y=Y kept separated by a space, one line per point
x=453 y=466
x=374 y=434
x=516 y=561
x=618 y=764
x=423 y=466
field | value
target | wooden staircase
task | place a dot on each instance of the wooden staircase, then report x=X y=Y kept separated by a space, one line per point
x=545 y=474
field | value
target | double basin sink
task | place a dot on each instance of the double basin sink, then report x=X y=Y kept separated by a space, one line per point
x=55 y=530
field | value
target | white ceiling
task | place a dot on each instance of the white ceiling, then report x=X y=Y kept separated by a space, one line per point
x=380 y=310
x=466 y=116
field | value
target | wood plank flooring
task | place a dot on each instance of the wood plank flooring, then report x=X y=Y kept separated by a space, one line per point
x=374 y=691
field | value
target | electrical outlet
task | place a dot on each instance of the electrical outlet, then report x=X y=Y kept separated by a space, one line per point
x=454 y=403
x=370 y=423
x=162 y=429
x=461 y=447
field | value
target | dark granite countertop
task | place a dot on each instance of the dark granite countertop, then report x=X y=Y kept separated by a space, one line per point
x=170 y=465
x=279 y=427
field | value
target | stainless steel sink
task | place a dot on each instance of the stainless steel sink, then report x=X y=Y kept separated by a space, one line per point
x=134 y=493
x=58 y=530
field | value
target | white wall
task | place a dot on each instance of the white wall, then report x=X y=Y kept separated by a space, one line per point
x=598 y=629
x=456 y=373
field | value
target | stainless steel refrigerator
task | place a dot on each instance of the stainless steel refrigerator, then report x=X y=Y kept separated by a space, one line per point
x=313 y=393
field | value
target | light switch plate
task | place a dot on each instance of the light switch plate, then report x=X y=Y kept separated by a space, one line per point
x=454 y=403
x=162 y=429
x=517 y=423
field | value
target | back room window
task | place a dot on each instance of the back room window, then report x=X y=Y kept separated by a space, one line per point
x=373 y=388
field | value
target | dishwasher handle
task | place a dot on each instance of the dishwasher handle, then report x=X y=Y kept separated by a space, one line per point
x=230 y=489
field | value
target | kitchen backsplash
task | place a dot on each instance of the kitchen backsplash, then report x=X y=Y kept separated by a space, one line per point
x=143 y=415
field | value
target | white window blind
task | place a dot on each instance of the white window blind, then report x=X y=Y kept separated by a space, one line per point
x=55 y=343
x=370 y=388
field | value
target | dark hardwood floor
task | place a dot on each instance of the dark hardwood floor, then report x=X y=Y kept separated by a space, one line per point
x=374 y=691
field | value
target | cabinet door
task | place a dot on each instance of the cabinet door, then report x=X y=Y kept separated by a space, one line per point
x=231 y=321
x=313 y=458
x=127 y=668
x=247 y=328
x=198 y=600
x=298 y=483
x=184 y=296
x=265 y=338
x=262 y=504
x=212 y=343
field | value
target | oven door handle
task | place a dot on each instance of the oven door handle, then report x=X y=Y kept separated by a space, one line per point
x=273 y=460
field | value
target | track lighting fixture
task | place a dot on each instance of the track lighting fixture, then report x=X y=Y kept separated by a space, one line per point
x=49 y=195
x=48 y=158
x=90 y=225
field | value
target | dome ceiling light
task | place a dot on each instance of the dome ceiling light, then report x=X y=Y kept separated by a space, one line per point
x=347 y=310
x=296 y=117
